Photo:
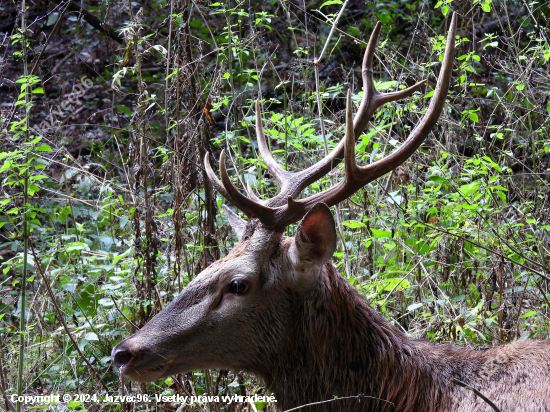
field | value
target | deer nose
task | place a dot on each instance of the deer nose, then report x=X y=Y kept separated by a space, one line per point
x=121 y=356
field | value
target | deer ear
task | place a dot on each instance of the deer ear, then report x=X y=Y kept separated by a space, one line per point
x=237 y=224
x=315 y=239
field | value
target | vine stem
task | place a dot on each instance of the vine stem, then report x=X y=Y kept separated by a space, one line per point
x=331 y=32
x=340 y=231
x=22 y=301
x=166 y=78
x=23 y=321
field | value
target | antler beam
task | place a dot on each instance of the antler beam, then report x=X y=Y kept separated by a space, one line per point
x=282 y=210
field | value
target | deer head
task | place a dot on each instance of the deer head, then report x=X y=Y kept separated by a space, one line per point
x=245 y=310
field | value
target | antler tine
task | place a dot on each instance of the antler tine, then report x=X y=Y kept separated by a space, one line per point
x=232 y=194
x=275 y=218
x=251 y=193
x=214 y=179
x=350 y=165
x=357 y=176
x=372 y=100
x=428 y=121
x=277 y=171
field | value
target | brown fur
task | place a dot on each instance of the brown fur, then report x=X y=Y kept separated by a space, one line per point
x=312 y=337
x=342 y=347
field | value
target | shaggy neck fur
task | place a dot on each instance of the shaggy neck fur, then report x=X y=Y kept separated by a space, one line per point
x=333 y=344
x=341 y=334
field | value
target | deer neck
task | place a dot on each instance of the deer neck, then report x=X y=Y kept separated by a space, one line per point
x=339 y=346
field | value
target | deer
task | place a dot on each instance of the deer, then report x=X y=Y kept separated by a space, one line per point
x=276 y=306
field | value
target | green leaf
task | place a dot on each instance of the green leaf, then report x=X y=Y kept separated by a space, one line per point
x=106 y=302
x=386 y=85
x=76 y=246
x=502 y=197
x=33 y=189
x=13 y=211
x=533 y=312
x=123 y=221
x=381 y=233
x=414 y=306
x=121 y=256
x=73 y=404
x=353 y=224
x=91 y=336
x=474 y=117
x=389 y=284
x=64 y=213
x=44 y=148
x=328 y=3
x=470 y=188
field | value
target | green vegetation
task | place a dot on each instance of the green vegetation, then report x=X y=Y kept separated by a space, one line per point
x=105 y=213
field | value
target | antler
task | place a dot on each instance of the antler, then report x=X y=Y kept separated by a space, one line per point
x=283 y=210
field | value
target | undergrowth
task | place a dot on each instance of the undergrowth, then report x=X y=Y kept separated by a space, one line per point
x=106 y=214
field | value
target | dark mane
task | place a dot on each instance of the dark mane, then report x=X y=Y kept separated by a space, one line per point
x=343 y=333
x=342 y=347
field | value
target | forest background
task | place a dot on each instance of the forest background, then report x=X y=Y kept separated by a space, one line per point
x=107 y=109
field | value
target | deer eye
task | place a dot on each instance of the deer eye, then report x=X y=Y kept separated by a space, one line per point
x=239 y=286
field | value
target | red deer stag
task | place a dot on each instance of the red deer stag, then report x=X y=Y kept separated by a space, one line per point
x=277 y=307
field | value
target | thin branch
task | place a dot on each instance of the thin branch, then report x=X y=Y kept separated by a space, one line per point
x=54 y=30
x=316 y=62
x=22 y=299
x=360 y=396
x=123 y=315
x=95 y=22
x=38 y=263
x=9 y=405
x=478 y=393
